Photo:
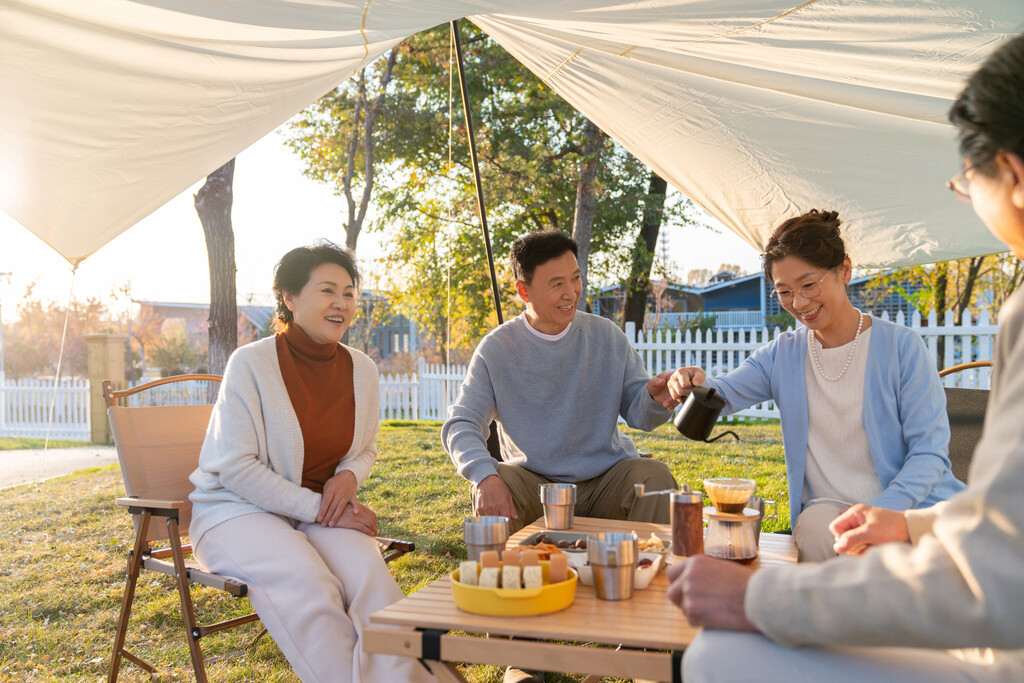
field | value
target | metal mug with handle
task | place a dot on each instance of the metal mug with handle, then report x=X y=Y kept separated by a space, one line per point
x=761 y=504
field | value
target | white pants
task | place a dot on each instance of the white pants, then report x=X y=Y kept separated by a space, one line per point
x=810 y=533
x=736 y=657
x=314 y=588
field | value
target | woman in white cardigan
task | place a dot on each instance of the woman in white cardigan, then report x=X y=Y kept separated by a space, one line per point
x=275 y=505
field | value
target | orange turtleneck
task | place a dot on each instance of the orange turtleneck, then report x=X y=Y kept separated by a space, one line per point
x=318 y=378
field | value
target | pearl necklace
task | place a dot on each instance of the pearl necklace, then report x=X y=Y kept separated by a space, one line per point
x=849 y=359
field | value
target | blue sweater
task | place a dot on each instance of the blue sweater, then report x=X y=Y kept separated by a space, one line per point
x=557 y=403
x=904 y=413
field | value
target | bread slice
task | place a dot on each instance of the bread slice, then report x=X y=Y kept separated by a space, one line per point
x=510 y=577
x=489 y=577
x=467 y=573
x=533 y=577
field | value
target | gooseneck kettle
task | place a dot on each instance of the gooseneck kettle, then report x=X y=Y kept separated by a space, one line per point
x=699 y=413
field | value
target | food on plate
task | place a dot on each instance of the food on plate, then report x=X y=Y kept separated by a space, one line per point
x=559 y=569
x=528 y=558
x=532 y=576
x=652 y=544
x=511 y=557
x=511 y=576
x=488 y=577
x=468 y=572
x=545 y=551
x=644 y=562
x=489 y=558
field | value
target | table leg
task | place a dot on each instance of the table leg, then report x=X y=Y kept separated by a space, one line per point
x=446 y=672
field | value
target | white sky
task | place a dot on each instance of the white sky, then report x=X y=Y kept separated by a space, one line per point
x=275 y=209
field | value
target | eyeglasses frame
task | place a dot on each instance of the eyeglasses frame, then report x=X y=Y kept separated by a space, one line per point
x=792 y=295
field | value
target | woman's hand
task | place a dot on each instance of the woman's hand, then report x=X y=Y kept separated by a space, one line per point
x=710 y=592
x=683 y=380
x=360 y=518
x=863 y=526
x=339 y=491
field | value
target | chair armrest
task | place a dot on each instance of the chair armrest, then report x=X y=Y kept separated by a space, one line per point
x=156 y=506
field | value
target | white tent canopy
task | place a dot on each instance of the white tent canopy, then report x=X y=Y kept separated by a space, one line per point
x=755 y=109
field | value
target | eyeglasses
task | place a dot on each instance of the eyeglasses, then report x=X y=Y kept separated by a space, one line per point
x=960 y=185
x=807 y=290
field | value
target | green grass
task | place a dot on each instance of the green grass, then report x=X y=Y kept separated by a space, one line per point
x=63 y=547
x=14 y=443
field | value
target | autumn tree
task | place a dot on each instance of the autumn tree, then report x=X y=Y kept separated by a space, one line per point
x=337 y=138
x=32 y=343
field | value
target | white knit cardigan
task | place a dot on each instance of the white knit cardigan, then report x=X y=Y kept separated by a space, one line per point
x=252 y=457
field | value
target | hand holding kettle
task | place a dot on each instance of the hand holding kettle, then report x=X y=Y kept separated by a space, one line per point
x=683 y=380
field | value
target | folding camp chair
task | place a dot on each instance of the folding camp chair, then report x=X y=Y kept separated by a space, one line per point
x=966 y=411
x=158 y=447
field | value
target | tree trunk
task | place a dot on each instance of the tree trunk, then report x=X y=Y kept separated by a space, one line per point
x=586 y=200
x=941 y=279
x=362 y=131
x=971 y=278
x=638 y=287
x=213 y=204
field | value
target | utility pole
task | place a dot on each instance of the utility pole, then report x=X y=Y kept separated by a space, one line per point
x=6 y=276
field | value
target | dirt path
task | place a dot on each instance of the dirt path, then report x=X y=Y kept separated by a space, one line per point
x=25 y=466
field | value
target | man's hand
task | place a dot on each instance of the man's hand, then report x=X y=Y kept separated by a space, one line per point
x=339 y=491
x=710 y=592
x=657 y=387
x=863 y=526
x=683 y=380
x=360 y=518
x=494 y=498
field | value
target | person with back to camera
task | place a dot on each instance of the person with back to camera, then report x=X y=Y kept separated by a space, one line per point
x=556 y=380
x=919 y=581
x=292 y=436
x=863 y=411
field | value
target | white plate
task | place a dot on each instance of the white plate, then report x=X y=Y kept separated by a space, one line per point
x=641 y=580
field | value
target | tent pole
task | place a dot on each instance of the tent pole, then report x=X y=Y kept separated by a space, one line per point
x=471 y=136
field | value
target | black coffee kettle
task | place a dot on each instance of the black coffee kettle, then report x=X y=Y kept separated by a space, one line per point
x=699 y=413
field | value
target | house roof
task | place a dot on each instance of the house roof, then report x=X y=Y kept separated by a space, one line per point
x=257 y=315
x=730 y=283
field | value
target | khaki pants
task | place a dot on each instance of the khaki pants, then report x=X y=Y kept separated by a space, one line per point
x=608 y=496
x=813 y=539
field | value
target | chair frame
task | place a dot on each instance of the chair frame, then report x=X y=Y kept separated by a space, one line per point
x=145 y=556
x=964 y=409
x=965 y=366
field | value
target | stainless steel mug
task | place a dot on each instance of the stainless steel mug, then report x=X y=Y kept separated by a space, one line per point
x=760 y=504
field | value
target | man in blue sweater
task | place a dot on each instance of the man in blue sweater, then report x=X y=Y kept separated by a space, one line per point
x=556 y=381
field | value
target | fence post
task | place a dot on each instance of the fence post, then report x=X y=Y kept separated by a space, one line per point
x=421 y=398
x=105 y=360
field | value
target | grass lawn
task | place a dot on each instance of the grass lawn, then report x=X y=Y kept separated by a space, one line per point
x=63 y=548
x=13 y=443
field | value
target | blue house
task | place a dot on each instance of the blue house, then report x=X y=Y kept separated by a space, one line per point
x=744 y=302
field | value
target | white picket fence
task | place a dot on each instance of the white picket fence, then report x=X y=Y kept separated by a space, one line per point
x=427 y=394
x=25 y=409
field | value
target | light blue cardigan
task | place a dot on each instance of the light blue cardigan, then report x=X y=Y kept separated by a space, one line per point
x=904 y=413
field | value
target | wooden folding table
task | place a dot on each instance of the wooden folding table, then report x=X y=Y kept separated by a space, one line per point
x=642 y=637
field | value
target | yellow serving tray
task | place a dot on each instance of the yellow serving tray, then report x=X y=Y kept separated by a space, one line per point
x=504 y=602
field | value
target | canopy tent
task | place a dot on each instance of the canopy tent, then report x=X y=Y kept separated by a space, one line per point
x=755 y=109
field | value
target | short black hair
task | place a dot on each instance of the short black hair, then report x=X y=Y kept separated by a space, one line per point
x=989 y=113
x=535 y=248
x=296 y=267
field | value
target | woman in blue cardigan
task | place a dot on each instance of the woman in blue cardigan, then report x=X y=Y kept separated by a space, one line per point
x=862 y=409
